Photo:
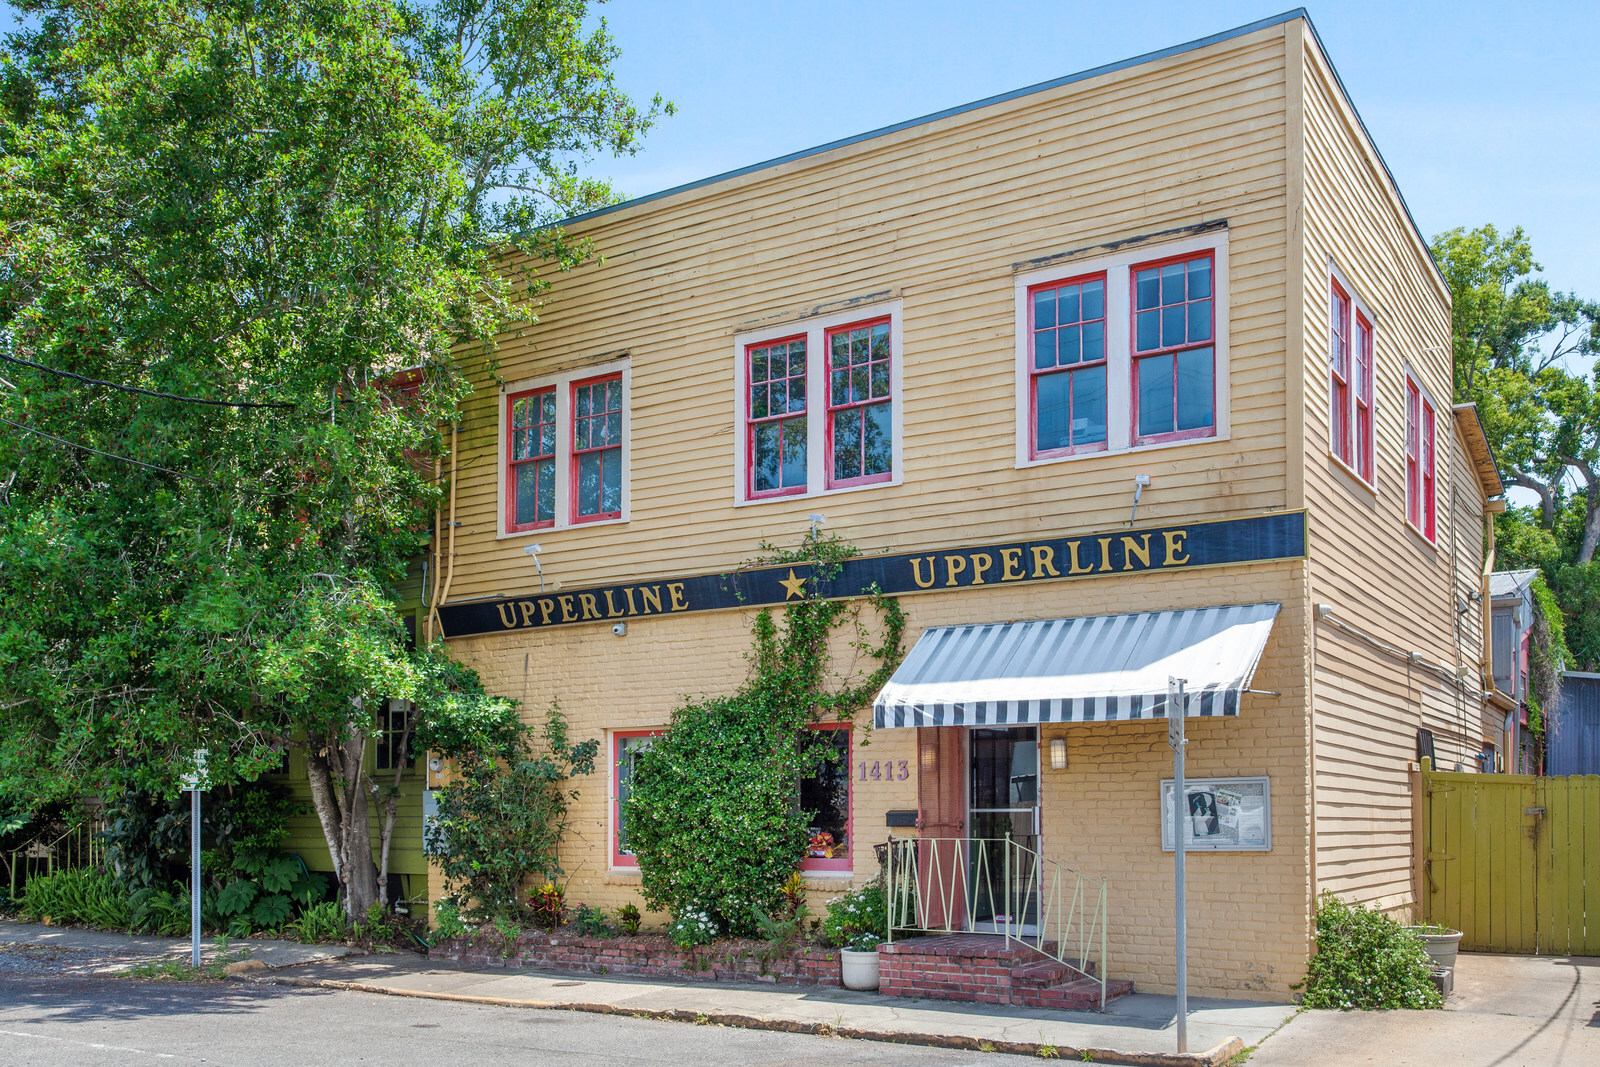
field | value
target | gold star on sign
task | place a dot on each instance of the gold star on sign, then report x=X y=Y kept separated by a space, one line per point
x=794 y=586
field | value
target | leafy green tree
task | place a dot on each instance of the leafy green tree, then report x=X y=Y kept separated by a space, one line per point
x=226 y=229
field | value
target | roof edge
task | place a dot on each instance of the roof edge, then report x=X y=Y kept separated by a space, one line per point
x=999 y=98
x=1471 y=427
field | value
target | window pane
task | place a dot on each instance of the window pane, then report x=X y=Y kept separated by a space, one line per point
x=1194 y=389
x=1069 y=348
x=547 y=406
x=611 y=480
x=580 y=433
x=840 y=387
x=1199 y=279
x=1044 y=349
x=758 y=401
x=847 y=444
x=1094 y=300
x=583 y=400
x=825 y=795
x=628 y=749
x=839 y=350
x=1089 y=405
x=547 y=439
x=860 y=382
x=1172 y=284
x=1094 y=341
x=797 y=394
x=521 y=443
x=1147 y=289
x=589 y=483
x=1200 y=320
x=858 y=346
x=1052 y=411
x=614 y=395
x=1174 y=325
x=547 y=490
x=527 y=504
x=794 y=452
x=766 y=457
x=758 y=365
x=880 y=341
x=1155 y=395
x=780 y=395
x=1044 y=308
x=879 y=444
x=1068 y=304
x=614 y=428
x=880 y=379
x=519 y=413
x=1149 y=330
x=797 y=359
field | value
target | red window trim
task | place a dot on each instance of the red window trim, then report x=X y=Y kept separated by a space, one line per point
x=512 y=465
x=620 y=858
x=845 y=864
x=1034 y=373
x=1134 y=355
x=750 y=422
x=1421 y=462
x=1339 y=410
x=572 y=473
x=1365 y=428
x=831 y=409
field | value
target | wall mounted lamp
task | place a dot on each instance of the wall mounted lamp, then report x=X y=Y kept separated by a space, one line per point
x=1058 y=753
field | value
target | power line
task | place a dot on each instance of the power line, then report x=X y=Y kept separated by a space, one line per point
x=145 y=392
x=108 y=455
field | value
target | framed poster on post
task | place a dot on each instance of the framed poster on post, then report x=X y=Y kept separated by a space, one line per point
x=1220 y=815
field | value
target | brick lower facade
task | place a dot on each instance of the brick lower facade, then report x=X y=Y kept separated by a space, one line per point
x=646 y=955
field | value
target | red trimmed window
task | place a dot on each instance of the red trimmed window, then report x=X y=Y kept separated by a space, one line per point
x=625 y=748
x=1421 y=481
x=597 y=449
x=825 y=798
x=776 y=418
x=1067 y=365
x=531 y=460
x=860 y=409
x=1174 y=358
x=1350 y=424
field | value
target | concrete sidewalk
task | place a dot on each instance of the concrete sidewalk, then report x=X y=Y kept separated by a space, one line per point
x=1136 y=1029
x=105 y=952
x=1507 y=1011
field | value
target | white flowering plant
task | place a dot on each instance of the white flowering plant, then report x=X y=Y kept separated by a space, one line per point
x=858 y=920
x=692 y=927
x=1366 y=960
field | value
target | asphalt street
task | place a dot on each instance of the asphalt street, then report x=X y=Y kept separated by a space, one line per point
x=51 y=1019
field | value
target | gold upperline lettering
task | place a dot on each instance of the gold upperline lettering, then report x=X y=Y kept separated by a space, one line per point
x=1175 y=540
x=916 y=571
x=568 y=608
x=527 y=612
x=953 y=566
x=628 y=592
x=981 y=562
x=1044 y=558
x=547 y=607
x=649 y=595
x=675 y=591
x=1074 y=567
x=1105 y=554
x=1131 y=549
x=611 y=605
x=1009 y=558
x=508 y=623
x=591 y=609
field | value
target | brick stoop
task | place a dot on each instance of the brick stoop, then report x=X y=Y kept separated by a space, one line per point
x=987 y=969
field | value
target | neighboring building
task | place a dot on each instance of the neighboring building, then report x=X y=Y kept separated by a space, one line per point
x=965 y=339
x=1572 y=744
x=1511 y=594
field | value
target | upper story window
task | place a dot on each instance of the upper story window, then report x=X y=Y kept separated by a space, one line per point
x=394 y=735
x=1421 y=469
x=1127 y=350
x=819 y=406
x=1067 y=370
x=1174 y=358
x=564 y=450
x=1350 y=381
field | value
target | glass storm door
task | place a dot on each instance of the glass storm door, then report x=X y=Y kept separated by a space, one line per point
x=1003 y=800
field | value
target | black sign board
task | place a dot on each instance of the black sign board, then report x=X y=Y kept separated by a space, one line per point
x=1173 y=547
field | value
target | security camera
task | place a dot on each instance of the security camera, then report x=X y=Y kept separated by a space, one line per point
x=620 y=629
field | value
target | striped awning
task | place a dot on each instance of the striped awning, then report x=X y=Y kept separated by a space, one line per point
x=1094 y=669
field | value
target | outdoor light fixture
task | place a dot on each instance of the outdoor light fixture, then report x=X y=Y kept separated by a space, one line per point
x=817 y=520
x=533 y=550
x=1058 y=753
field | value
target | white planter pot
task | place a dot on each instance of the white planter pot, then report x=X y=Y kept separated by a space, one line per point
x=1441 y=948
x=858 y=970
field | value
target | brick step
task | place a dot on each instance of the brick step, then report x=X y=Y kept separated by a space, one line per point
x=1082 y=995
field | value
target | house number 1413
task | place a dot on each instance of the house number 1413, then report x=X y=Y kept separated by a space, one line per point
x=885 y=770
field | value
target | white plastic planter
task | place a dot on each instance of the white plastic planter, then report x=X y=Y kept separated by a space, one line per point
x=1441 y=948
x=858 y=970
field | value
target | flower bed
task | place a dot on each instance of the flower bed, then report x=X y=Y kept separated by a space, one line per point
x=648 y=955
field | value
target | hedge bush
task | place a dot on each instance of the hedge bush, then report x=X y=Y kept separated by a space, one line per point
x=1366 y=960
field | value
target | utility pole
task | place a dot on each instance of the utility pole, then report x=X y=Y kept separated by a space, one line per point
x=1177 y=705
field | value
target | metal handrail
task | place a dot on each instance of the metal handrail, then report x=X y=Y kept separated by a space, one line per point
x=938 y=885
x=79 y=846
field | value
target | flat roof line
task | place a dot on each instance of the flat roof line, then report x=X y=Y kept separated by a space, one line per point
x=959 y=109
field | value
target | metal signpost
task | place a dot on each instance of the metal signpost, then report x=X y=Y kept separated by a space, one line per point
x=193 y=783
x=1177 y=705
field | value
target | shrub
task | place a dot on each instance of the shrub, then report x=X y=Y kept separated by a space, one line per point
x=320 y=923
x=591 y=922
x=783 y=935
x=448 y=922
x=547 y=905
x=858 y=920
x=1365 y=960
x=692 y=928
x=87 y=895
x=628 y=918
x=502 y=821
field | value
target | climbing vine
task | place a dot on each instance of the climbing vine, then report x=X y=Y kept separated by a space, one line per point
x=712 y=816
x=1549 y=656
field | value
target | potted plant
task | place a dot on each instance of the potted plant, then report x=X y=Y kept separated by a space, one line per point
x=857 y=923
x=1440 y=942
x=858 y=962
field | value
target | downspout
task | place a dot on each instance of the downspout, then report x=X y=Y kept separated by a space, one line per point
x=450 y=564
x=433 y=549
x=1491 y=508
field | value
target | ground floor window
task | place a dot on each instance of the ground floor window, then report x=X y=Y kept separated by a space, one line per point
x=625 y=748
x=825 y=795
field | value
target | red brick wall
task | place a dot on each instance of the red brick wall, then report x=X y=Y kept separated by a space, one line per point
x=647 y=955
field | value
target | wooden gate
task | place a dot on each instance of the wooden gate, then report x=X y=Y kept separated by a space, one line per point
x=1512 y=860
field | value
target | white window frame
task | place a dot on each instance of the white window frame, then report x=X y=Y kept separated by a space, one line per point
x=563 y=390
x=1118 y=269
x=815 y=331
x=1358 y=306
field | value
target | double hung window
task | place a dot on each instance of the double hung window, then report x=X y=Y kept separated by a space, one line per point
x=819 y=407
x=1421 y=471
x=565 y=451
x=394 y=736
x=1350 y=382
x=625 y=748
x=1123 y=351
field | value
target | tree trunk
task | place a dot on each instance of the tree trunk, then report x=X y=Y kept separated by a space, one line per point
x=391 y=809
x=339 y=796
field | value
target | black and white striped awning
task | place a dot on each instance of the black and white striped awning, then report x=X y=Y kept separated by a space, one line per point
x=1095 y=669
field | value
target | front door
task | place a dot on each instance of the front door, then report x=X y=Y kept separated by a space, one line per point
x=1003 y=802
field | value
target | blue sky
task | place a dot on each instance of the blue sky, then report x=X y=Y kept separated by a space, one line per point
x=1484 y=112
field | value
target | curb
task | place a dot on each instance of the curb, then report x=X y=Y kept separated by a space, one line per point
x=1214 y=1057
